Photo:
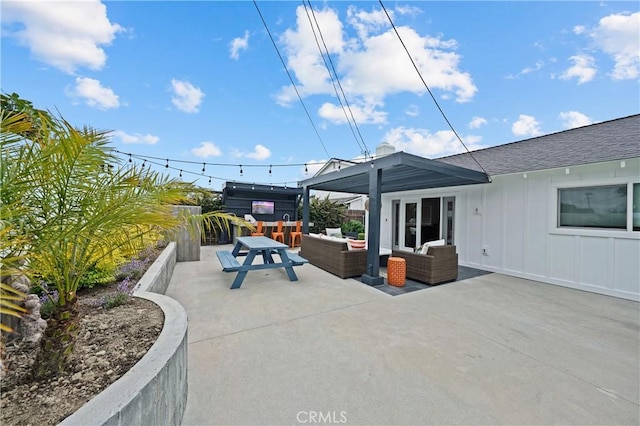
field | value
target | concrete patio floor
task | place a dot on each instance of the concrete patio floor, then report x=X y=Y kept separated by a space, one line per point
x=489 y=350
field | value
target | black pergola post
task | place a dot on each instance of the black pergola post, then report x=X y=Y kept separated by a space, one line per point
x=372 y=277
x=305 y=210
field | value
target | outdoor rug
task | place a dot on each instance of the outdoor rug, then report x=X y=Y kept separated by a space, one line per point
x=464 y=273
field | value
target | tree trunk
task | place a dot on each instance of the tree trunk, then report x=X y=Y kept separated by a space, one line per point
x=58 y=342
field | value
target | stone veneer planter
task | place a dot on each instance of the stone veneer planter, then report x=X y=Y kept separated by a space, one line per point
x=154 y=391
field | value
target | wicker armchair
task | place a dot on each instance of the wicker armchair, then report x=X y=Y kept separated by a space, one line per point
x=333 y=256
x=439 y=265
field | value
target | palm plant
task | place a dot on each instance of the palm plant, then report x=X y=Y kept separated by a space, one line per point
x=78 y=204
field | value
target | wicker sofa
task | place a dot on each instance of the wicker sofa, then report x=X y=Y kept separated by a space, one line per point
x=333 y=256
x=439 y=265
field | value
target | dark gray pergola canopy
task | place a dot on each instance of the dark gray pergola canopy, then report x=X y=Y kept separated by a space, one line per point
x=396 y=172
x=400 y=172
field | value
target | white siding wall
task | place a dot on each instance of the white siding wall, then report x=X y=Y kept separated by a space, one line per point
x=515 y=218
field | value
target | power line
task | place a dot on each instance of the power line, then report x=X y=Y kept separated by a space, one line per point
x=363 y=146
x=291 y=78
x=428 y=89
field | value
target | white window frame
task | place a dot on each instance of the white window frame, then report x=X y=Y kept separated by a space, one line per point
x=554 y=200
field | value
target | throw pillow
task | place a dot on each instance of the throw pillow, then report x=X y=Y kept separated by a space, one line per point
x=334 y=232
x=356 y=244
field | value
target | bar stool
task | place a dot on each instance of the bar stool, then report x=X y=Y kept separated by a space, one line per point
x=296 y=235
x=258 y=232
x=396 y=271
x=279 y=234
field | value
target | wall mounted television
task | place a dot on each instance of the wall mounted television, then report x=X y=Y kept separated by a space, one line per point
x=262 y=207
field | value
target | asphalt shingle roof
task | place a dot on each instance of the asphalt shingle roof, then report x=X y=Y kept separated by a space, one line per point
x=617 y=139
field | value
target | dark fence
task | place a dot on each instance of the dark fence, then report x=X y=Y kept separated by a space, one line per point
x=354 y=215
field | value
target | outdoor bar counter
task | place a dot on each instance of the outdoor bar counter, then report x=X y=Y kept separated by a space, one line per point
x=267 y=229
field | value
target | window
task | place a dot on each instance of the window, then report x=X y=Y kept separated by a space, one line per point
x=594 y=207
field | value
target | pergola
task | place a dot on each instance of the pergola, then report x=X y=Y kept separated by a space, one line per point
x=392 y=173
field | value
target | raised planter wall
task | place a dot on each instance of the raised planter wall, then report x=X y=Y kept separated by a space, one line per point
x=188 y=245
x=154 y=391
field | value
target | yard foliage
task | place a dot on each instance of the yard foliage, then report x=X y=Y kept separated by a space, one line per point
x=68 y=204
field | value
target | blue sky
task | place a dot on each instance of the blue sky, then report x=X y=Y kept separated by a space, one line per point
x=202 y=82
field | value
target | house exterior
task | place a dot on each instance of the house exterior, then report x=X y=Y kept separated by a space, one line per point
x=562 y=209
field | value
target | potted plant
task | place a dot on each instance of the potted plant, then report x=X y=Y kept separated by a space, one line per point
x=352 y=228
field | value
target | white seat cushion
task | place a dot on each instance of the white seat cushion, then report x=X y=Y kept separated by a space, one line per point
x=425 y=246
x=333 y=232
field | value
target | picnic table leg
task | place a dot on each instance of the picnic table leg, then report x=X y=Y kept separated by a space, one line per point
x=285 y=259
x=266 y=256
x=237 y=282
x=236 y=249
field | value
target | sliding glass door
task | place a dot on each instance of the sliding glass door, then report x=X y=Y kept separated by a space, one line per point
x=410 y=224
x=415 y=222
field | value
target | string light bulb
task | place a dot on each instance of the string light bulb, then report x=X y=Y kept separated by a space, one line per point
x=144 y=163
x=130 y=160
x=269 y=169
x=166 y=166
x=203 y=167
x=305 y=169
x=240 y=169
x=180 y=172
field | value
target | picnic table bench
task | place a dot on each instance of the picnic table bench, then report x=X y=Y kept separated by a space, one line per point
x=258 y=245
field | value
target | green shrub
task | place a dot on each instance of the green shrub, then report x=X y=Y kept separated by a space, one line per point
x=324 y=214
x=96 y=275
x=352 y=226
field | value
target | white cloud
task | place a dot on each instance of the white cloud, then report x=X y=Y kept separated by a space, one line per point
x=260 y=152
x=427 y=144
x=366 y=22
x=579 y=29
x=477 y=122
x=617 y=36
x=186 y=97
x=136 y=138
x=366 y=114
x=372 y=65
x=93 y=93
x=572 y=119
x=526 y=126
x=207 y=149
x=537 y=67
x=412 y=110
x=238 y=44
x=583 y=69
x=65 y=35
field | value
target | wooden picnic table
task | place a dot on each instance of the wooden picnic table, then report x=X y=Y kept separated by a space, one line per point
x=264 y=246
